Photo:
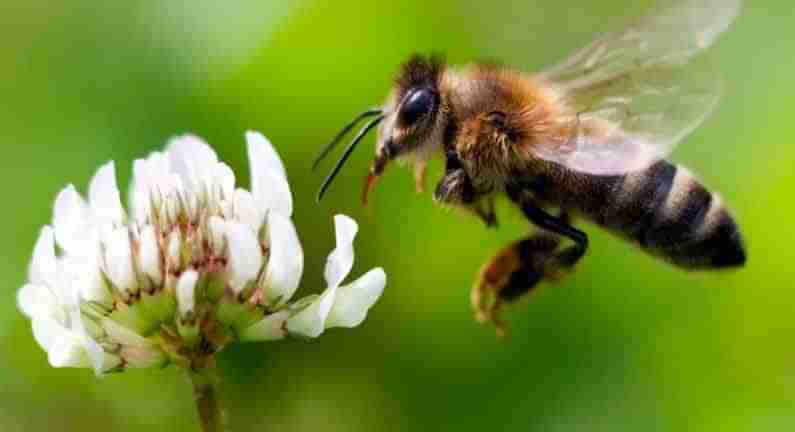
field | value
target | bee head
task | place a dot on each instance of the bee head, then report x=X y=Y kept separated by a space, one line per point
x=408 y=123
x=411 y=113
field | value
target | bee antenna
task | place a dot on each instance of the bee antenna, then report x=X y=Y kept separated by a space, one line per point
x=330 y=146
x=347 y=153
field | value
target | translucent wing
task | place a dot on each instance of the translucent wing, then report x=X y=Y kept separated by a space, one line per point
x=631 y=94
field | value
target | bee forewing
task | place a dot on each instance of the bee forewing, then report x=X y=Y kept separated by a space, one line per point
x=670 y=34
x=632 y=122
x=633 y=95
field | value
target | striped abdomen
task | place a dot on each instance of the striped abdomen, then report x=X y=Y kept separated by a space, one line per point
x=665 y=210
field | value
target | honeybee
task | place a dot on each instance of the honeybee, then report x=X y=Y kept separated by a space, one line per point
x=585 y=138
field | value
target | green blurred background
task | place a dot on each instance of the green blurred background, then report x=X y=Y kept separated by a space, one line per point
x=626 y=343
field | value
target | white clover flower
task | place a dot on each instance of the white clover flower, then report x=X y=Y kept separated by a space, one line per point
x=196 y=264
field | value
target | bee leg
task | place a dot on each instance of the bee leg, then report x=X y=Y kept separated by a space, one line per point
x=518 y=268
x=420 y=169
x=510 y=274
x=456 y=188
x=559 y=225
x=486 y=211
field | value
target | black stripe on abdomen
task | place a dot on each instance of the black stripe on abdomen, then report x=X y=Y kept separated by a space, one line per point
x=629 y=206
x=666 y=211
x=676 y=218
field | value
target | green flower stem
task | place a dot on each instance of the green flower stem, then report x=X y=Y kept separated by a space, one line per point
x=205 y=393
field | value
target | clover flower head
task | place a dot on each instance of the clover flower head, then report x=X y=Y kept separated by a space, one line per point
x=195 y=264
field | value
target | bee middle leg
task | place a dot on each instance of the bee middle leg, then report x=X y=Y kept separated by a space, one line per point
x=486 y=210
x=517 y=269
x=456 y=188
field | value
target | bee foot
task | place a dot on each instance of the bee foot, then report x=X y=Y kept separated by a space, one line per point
x=491 y=221
x=487 y=307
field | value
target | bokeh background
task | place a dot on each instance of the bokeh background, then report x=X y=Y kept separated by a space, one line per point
x=626 y=343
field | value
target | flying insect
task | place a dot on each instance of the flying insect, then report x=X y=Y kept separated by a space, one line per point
x=587 y=138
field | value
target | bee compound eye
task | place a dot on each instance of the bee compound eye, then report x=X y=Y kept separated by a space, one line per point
x=417 y=104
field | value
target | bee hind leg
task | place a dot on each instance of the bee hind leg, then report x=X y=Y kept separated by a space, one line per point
x=559 y=225
x=510 y=274
x=517 y=269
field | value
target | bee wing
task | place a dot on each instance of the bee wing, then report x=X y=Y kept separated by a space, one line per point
x=632 y=95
